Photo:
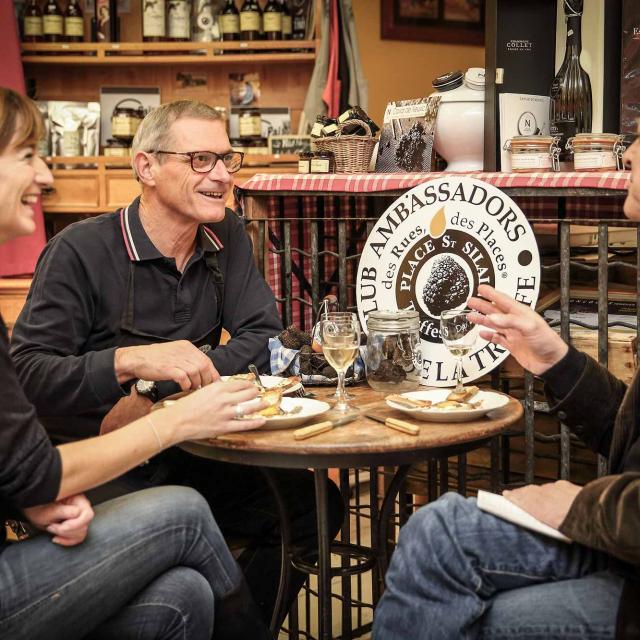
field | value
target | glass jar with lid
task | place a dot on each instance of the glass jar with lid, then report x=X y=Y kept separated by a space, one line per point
x=117 y=148
x=533 y=153
x=394 y=356
x=250 y=123
x=596 y=151
x=125 y=120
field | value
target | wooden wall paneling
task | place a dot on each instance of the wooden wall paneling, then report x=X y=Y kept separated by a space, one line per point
x=280 y=85
x=78 y=189
x=121 y=188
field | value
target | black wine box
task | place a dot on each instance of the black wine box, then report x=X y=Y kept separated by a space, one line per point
x=520 y=52
x=630 y=72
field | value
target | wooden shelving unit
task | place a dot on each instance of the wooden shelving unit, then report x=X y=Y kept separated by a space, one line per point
x=191 y=70
x=159 y=53
x=100 y=184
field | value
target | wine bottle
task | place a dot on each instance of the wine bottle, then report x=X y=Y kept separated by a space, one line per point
x=272 y=19
x=52 y=24
x=299 y=24
x=74 y=22
x=250 y=20
x=179 y=20
x=203 y=22
x=287 y=21
x=32 y=22
x=106 y=21
x=571 y=102
x=153 y=20
x=229 y=21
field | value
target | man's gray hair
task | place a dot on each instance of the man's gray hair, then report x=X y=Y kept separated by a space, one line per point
x=154 y=131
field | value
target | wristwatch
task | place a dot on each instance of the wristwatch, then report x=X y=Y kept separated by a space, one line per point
x=148 y=389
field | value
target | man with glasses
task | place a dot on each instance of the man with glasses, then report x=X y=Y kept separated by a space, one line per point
x=128 y=307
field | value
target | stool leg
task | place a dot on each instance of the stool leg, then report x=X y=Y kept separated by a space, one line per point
x=279 y=613
x=324 y=556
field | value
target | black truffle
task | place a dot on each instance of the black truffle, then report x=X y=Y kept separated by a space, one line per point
x=294 y=338
x=447 y=286
x=388 y=371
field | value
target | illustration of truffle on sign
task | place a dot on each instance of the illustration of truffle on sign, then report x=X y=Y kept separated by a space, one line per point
x=432 y=248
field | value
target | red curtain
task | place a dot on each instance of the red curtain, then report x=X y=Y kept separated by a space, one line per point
x=19 y=256
x=331 y=94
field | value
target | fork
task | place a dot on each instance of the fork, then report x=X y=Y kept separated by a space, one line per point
x=301 y=392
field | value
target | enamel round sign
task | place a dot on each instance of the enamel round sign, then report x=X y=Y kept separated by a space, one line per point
x=432 y=248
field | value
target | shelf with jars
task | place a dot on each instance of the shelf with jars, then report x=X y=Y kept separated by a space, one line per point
x=181 y=52
x=119 y=53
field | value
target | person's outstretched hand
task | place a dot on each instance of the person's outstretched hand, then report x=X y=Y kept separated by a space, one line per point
x=518 y=328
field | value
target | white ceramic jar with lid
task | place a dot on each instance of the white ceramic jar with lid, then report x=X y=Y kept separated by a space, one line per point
x=459 y=131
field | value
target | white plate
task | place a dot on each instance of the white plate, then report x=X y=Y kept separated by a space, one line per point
x=272 y=381
x=489 y=399
x=309 y=409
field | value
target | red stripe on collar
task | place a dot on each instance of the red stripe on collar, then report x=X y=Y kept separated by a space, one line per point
x=128 y=242
x=213 y=237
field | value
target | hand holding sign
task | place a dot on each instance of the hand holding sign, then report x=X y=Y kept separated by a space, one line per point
x=518 y=328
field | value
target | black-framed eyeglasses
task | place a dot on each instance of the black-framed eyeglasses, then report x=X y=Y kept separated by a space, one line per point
x=204 y=161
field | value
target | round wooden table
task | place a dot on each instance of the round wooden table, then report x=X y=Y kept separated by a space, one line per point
x=363 y=442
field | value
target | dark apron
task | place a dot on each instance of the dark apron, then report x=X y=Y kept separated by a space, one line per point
x=162 y=468
x=130 y=336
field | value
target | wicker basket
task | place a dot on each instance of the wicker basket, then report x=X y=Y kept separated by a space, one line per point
x=352 y=153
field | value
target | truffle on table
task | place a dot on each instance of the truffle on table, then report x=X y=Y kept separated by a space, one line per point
x=294 y=338
x=388 y=371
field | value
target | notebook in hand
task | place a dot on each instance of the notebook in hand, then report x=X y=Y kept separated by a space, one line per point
x=499 y=506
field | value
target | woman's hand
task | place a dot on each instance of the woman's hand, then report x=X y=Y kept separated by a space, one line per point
x=518 y=328
x=211 y=411
x=67 y=520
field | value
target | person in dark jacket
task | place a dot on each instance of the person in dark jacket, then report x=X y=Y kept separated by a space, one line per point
x=149 y=565
x=128 y=307
x=459 y=572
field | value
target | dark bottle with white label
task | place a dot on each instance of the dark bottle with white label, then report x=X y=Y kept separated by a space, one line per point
x=32 y=22
x=250 y=20
x=272 y=20
x=179 y=20
x=74 y=22
x=229 y=21
x=287 y=20
x=299 y=24
x=154 y=20
x=571 y=101
x=52 y=22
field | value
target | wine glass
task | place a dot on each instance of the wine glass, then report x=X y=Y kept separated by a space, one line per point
x=458 y=335
x=340 y=342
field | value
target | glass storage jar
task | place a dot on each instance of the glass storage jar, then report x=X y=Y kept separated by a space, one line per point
x=250 y=123
x=532 y=153
x=126 y=120
x=393 y=358
x=596 y=151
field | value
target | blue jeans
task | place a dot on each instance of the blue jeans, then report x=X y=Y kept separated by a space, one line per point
x=153 y=565
x=461 y=573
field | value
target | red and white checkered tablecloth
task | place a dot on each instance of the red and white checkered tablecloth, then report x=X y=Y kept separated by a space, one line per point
x=378 y=182
x=330 y=198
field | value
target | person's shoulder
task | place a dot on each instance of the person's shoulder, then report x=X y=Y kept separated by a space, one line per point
x=92 y=235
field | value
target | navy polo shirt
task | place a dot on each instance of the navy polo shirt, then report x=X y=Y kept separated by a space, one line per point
x=64 y=340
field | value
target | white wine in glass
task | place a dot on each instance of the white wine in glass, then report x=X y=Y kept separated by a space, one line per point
x=340 y=342
x=459 y=335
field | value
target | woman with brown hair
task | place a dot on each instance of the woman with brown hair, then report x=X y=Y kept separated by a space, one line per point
x=152 y=564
